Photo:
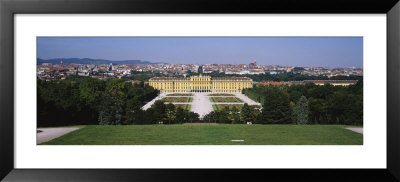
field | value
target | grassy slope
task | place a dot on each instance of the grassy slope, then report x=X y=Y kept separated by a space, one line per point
x=220 y=134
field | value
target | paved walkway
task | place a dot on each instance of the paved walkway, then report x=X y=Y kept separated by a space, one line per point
x=148 y=105
x=246 y=99
x=178 y=96
x=48 y=134
x=358 y=130
x=201 y=103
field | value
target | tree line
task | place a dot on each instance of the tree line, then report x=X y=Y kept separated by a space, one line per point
x=309 y=104
x=84 y=100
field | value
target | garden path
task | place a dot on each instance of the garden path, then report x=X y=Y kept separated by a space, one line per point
x=48 y=134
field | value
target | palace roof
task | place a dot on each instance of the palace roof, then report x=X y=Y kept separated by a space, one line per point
x=169 y=79
x=231 y=79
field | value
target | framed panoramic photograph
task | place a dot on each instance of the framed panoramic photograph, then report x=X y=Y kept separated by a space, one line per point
x=125 y=91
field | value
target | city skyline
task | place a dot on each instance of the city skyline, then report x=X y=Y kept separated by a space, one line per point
x=288 y=51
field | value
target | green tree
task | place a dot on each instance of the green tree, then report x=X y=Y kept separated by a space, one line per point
x=111 y=111
x=246 y=114
x=170 y=109
x=180 y=115
x=223 y=116
x=193 y=117
x=295 y=111
x=302 y=115
x=276 y=108
x=133 y=111
x=236 y=116
x=91 y=91
x=116 y=87
x=210 y=117
x=160 y=111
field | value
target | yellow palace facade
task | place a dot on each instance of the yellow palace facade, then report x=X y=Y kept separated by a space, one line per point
x=201 y=84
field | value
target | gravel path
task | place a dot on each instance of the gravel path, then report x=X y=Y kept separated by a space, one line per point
x=48 y=134
x=148 y=105
x=201 y=104
x=178 y=96
x=246 y=99
x=358 y=130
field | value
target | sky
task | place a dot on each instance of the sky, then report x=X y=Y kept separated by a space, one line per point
x=289 y=51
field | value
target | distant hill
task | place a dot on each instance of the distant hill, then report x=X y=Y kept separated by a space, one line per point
x=90 y=61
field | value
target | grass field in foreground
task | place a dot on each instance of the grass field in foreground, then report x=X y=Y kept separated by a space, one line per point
x=219 y=134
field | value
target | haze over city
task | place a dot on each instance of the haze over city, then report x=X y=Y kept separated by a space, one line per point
x=290 y=51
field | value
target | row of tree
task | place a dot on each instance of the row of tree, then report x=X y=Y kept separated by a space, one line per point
x=161 y=113
x=235 y=116
x=310 y=103
x=84 y=100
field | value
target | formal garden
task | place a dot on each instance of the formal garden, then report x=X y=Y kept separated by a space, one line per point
x=183 y=106
x=177 y=99
x=225 y=99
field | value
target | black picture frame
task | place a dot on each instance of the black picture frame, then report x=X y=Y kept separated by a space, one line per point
x=8 y=8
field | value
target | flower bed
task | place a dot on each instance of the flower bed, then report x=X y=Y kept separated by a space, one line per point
x=225 y=99
x=177 y=99
x=183 y=106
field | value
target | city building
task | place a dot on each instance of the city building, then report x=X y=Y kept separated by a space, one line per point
x=316 y=82
x=332 y=82
x=201 y=84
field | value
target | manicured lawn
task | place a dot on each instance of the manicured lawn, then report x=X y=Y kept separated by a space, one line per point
x=177 y=99
x=183 y=106
x=225 y=99
x=179 y=94
x=221 y=94
x=217 y=134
